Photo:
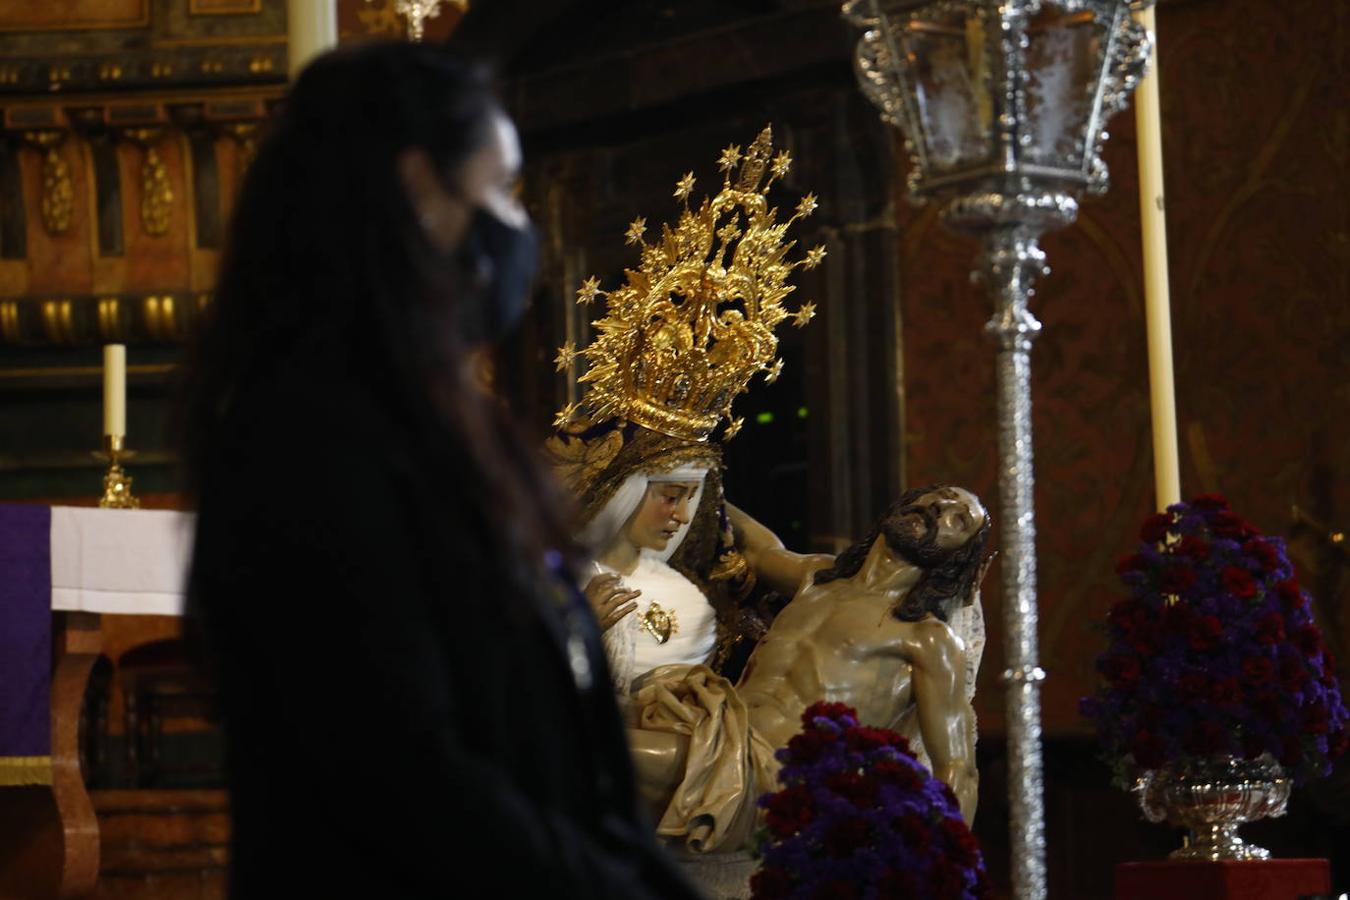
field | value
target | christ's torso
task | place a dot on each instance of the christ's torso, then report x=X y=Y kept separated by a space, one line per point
x=835 y=642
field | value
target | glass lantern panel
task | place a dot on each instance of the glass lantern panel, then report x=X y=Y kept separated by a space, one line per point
x=950 y=74
x=1063 y=62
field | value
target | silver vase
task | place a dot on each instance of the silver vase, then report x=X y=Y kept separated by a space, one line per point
x=1211 y=798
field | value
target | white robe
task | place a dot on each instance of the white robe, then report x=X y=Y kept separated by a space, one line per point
x=632 y=651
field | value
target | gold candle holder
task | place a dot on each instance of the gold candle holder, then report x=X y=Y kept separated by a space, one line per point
x=116 y=482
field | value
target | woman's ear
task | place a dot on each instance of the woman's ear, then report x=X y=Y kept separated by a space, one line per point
x=443 y=216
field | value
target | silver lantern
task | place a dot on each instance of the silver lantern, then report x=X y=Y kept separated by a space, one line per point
x=1003 y=105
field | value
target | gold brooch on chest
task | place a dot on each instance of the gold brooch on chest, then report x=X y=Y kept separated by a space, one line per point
x=660 y=623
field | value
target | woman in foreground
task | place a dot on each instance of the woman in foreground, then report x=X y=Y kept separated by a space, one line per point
x=414 y=693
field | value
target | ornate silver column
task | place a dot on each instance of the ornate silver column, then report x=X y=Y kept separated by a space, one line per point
x=1002 y=104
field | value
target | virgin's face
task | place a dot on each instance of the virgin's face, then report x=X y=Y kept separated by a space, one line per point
x=663 y=510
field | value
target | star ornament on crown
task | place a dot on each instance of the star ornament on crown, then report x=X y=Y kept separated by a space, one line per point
x=694 y=323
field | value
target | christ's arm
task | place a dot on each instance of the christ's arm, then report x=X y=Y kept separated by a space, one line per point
x=946 y=720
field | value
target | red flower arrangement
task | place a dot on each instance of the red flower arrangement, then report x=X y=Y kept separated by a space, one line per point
x=1214 y=653
x=859 y=817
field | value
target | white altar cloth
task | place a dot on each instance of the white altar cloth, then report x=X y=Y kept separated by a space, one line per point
x=128 y=561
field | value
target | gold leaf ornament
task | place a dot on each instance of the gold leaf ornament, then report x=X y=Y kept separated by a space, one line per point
x=635 y=231
x=729 y=158
x=566 y=353
x=684 y=187
x=564 y=416
x=58 y=196
x=579 y=461
x=589 y=290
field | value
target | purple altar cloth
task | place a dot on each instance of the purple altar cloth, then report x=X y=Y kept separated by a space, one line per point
x=25 y=644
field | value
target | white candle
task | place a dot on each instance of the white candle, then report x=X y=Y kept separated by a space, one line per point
x=1157 y=299
x=310 y=30
x=115 y=389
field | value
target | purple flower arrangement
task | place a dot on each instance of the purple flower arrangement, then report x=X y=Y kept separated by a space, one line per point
x=859 y=817
x=1214 y=653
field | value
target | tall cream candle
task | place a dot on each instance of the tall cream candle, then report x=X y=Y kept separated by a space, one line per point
x=115 y=389
x=1157 y=298
x=310 y=30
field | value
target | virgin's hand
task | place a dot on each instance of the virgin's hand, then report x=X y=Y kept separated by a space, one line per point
x=610 y=600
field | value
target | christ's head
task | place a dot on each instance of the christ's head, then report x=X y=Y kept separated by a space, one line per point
x=942 y=531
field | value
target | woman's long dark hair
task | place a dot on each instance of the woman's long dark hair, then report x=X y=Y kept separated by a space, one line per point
x=327 y=264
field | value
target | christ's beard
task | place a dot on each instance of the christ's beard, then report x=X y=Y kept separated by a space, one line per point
x=912 y=534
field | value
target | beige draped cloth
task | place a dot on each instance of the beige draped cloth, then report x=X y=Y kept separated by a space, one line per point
x=729 y=766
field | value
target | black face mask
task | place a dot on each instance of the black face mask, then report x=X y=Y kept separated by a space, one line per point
x=503 y=261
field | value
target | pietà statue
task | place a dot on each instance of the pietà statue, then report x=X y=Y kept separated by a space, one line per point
x=891 y=626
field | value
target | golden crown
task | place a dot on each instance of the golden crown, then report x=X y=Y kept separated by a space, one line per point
x=694 y=323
